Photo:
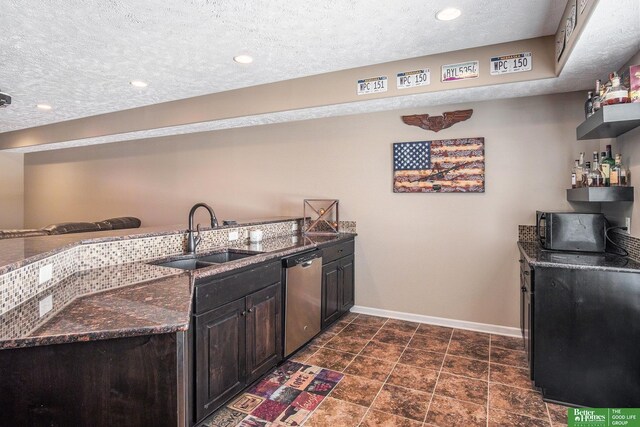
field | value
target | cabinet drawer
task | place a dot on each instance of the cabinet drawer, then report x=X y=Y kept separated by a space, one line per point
x=332 y=253
x=217 y=292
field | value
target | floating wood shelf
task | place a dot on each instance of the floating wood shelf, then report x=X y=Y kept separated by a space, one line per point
x=610 y=121
x=600 y=194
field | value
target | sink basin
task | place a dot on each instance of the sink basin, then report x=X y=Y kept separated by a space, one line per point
x=202 y=261
x=185 y=264
x=226 y=256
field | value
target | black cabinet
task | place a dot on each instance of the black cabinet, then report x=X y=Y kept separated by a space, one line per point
x=526 y=314
x=587 y=336
x=337 y=281
x=238 y=341
x=582 y=328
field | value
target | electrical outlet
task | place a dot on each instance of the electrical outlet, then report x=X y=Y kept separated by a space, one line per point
x=46 y=273
x=233 y=235
x=294 y=227
x=627 y=223
x=46 y=304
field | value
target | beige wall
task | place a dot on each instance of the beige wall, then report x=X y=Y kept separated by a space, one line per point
x=11 y=190
x=447 y=255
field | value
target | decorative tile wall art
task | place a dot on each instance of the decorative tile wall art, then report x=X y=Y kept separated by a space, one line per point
x=441 y=166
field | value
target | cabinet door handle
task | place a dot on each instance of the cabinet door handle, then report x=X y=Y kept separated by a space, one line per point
x=243 y=313
x=251 y=310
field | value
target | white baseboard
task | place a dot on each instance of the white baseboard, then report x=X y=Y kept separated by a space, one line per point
x=440 y=321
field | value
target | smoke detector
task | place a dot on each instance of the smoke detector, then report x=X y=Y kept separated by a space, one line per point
x=5 y=99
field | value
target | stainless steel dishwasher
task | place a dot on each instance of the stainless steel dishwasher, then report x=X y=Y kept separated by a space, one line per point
x=303 y=294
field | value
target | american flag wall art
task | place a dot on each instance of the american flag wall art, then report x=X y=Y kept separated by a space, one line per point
x=442 y=166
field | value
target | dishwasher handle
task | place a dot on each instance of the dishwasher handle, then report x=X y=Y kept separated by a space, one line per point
x=304 y=260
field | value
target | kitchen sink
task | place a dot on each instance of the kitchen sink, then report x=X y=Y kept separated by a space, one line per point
x=185 y=264
x=226 y=256
x=206 y=260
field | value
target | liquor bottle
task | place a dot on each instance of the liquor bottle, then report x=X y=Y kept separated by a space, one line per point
x=594 y=178
x=616 y=172
x=588 y=106
x=580 y=172
x=588 y=175
x=625 y=176
x=606 y=164
x=617 y=94
x=574 y=174
x=597 y=101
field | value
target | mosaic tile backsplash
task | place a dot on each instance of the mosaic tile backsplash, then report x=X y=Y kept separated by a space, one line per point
x=88 y=268
x=527 y=233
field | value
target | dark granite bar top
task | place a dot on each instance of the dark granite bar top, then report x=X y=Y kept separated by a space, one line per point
x=272 y=249
x=15 y=253
x=161 y=305
x=540 y=257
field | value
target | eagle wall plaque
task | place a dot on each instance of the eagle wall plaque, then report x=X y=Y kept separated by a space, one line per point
x=443 y=166
x=437 y=123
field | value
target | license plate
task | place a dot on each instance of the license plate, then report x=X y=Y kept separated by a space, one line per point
x=414 y=78
x=515 y=63
x=372 y=85
x=461 y=71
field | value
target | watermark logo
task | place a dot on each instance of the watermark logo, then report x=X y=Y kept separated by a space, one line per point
x=603 y=417
x=588 y=417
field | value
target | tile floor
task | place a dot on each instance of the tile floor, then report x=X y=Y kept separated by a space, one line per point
x=399 y=373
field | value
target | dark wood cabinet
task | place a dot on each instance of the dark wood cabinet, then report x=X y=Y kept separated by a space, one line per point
x=346 y=278
x=127 y=382
x=220 y=356
x=330 y=293
x=236 y=342
x=264 y=331
x=337 y=281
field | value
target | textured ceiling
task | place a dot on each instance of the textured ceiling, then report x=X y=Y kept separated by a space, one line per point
x=79 y=55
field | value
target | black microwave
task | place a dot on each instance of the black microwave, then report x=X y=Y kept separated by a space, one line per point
x=571 y=231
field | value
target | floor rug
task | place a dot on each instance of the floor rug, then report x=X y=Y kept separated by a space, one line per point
x=286 y=397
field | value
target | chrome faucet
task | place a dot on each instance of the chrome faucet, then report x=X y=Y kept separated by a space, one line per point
x=192 y=239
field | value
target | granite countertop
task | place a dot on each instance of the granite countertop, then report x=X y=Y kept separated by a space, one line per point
x=17 y=252
x=146 y=307
x=537 y=256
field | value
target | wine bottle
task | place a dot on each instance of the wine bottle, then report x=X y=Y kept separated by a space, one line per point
x=606 y=164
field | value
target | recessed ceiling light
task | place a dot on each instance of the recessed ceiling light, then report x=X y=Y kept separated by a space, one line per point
x=44 y=106
x=243 y=59
x=448 y=14
x=138 y=83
